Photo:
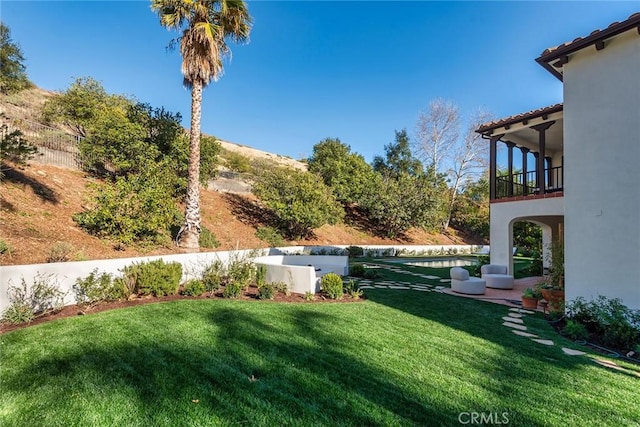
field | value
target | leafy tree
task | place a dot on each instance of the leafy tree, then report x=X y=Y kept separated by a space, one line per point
x=206 y=26
x=398 y=158
x=299 y=199
x=346 y=173
x=14 y=147
x=81 y=105
x=13 y=76
x=471 y=214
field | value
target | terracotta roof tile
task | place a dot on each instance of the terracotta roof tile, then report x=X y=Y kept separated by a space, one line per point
x=490 y=126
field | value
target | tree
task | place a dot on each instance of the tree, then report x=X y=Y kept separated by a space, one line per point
x=346 y=173
x=13 y=76
x=471 y=213
x=206 y=27
x=299 y=199
x=398 y=158
x=438 y=129
x=14 y=147
x=461 y=156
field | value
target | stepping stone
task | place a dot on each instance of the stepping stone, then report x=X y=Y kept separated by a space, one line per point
x=431 y=277
x=445 y=280
x=544 y=342
x=515 y=326
x=399 y=287
x=515 y=315
x=524 y=334
x=519 y=310
x=572 y=352
x=439 y=288
x=381 y=286
x=512 y=319
x=422 y=290
x=366 y=287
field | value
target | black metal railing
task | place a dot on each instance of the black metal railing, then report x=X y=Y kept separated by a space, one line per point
x=518 y=184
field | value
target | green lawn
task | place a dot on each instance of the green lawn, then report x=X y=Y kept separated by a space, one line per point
x=399 y=358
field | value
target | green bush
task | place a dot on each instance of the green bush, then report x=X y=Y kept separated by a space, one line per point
x=4 y=247
x=613 y=323
x=266 y=291
x=97 y=287
x=271 y=236
x=193 y=288
x=352 y=289
x=131 y=209
x=213 y=276
x=575 y=330
x=240 y=271
x=237 y=162
x=60 y=252
x=331 y=284
x=261 y=275
x=281 y=287
x=370 y=273
x=232 y=290
x=155 y=277
x=354 y=251
x=356 y=270
x=309 y=296
x=43 y=296
x=208 y=239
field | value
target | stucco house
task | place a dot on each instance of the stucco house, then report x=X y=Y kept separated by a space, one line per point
x=578 y=173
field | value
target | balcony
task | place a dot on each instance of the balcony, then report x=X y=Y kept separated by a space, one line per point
x=521 y=185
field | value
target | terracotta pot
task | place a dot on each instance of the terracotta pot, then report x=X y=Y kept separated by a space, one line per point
x=554 y=297
x=530 y=303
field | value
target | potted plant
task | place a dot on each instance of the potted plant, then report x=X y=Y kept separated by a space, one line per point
x=530 y=298
x=552 y=286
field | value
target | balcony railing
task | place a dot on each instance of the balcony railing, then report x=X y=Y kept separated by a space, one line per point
x=520 y=185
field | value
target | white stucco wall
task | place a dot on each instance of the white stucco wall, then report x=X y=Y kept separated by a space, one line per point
x=504 y=214
x=602 y=172
x=299 y=272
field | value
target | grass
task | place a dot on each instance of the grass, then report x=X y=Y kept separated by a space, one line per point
x=399 y=358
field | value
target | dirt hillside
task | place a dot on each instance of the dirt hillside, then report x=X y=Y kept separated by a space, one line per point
x=37 y=204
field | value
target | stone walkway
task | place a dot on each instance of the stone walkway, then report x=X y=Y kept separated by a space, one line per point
x=515 y=319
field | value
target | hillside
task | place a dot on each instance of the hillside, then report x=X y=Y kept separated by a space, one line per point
x=37 y=204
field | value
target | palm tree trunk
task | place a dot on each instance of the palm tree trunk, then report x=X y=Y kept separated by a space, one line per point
x=189 y=235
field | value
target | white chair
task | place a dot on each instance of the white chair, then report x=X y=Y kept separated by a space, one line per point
x=496 y=276
x=463 y=284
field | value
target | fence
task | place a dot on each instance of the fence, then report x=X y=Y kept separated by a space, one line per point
x=55 y=147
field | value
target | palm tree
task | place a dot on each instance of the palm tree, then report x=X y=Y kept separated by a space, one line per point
x=206 y=26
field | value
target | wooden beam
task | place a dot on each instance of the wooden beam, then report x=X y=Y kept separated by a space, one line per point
x=600 y=45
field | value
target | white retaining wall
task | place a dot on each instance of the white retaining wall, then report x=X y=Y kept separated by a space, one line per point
x=299 y=272
x=65 y=274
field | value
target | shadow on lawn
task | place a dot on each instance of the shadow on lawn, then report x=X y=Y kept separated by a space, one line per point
x=243 y=369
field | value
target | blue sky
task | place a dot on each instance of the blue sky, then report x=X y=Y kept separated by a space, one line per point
x=353 y=70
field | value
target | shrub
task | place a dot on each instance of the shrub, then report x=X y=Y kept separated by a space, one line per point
x=309 y=296
x=614 y=323
x=271 y=236
x=237 y=162
x=193 y=288
x=261 y=275
x=281 y=287
x=155 y=277
x=352 y=289
x=370 y=273
x=60 y=252
x=575 y=330
x=232 y=290
x=4 y=248
x=97 y=287
x=135 y=208
x=240 y=271
x=354 y=251
x=266 y=291
x=332 y=285
x=356 y=270
x=43 y=296
x=213 y=276
x=208 y=239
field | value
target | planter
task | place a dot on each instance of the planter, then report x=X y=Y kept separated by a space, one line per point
x=554 y=297
x=530 y=303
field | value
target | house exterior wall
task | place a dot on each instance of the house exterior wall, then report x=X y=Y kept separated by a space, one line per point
x=602 y=174
x=504 y=214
